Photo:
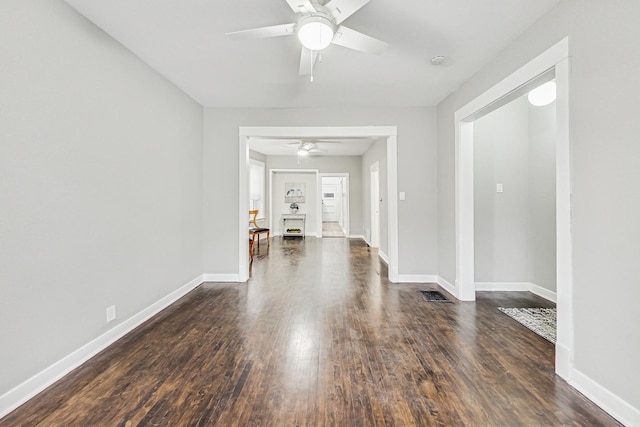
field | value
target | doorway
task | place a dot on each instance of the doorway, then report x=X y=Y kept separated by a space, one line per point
x=387 y=133
x=334 y=202
x=554 y=60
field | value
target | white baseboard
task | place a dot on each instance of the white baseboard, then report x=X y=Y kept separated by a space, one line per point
x=543 y=292
x=618 y=408
x=516 y=286
x=446 y=286
x=417 y=278
x=235 y=278
x=384 y=257
x=37 y=383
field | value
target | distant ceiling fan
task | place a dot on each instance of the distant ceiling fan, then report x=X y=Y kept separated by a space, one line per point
x=305 y=148
x=318 y=26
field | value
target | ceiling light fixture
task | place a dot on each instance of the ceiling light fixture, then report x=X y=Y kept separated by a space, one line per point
x=315 y=32
x=302 y=152
x=543 y=95
x=437 y=60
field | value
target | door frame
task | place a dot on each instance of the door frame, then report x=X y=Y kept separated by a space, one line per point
x=347 y=222
x=390 y=135
x=556 y=60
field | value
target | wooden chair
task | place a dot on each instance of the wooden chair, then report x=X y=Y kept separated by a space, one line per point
x=255 y=230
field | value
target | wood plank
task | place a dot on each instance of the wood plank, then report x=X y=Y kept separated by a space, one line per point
x=318 y=336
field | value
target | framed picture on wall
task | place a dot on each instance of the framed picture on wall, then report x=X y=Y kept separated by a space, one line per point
x=294 y=192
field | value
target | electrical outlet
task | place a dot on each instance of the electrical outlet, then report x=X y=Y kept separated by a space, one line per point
x=111 y=313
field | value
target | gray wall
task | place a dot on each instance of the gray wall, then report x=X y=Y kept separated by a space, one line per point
x=334 y=164
x=605 y=175
x=309 y=207
x=501 y=155
x=515 y=230
x=100 y=185
x=416 y=176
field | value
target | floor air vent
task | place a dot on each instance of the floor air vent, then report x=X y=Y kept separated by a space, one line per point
x=436 y=296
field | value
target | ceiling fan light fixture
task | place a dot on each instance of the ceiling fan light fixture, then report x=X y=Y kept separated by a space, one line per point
x=302 y=152
x=315 y=32
x=543 y=95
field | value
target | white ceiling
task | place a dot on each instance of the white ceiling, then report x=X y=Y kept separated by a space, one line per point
x=185 y=41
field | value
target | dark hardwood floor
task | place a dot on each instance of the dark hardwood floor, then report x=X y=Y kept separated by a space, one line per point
x=318 y=336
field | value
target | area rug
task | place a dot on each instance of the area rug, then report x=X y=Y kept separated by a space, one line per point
x=542 y=321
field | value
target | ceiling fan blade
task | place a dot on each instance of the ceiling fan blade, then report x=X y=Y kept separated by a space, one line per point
x=354 y=40
x=306 y=57
x=264 y=32
x=342 y=9
x=301 y=6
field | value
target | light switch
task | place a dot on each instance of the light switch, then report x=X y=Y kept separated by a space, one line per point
x=498 y=188
x=402 y=195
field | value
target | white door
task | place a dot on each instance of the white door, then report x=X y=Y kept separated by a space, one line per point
x=329 y=203
x=375 y=205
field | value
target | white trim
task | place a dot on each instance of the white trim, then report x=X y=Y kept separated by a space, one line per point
x=555 y=58
x=358 y=236
x=543 y=292
x=48 y=376
x=388 y=132
x=617 y=407
x=234 y=278
x=392 y=215
x=564 y=243
x=563 y=357
x=384 y=257
x=464 y=211
x=540 y=64
x=441 y=281
x=418 y=278
x=243 y=207
x=516 y=287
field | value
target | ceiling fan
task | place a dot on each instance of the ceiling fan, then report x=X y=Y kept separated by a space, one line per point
x=318 y=25
x=305 y=148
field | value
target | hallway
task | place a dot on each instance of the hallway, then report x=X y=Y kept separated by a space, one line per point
x=332 y=229
x=318 y=336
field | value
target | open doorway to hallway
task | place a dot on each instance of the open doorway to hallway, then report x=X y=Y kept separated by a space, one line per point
x=334 y=199
x=339 y=137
